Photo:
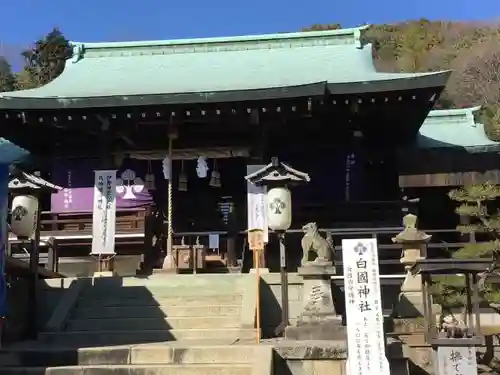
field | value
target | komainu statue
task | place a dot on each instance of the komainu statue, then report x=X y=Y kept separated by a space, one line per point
x=313 y=242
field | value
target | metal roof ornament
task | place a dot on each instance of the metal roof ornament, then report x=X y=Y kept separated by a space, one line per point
x=277 y=173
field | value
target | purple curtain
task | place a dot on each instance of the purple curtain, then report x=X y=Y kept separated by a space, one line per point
x=76 y=176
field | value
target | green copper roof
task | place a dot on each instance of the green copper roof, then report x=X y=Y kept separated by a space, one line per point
x=217 y=70
x=10 y=152
x=455 y=128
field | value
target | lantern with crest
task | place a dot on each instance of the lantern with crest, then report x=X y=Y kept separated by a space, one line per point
x=278 y=177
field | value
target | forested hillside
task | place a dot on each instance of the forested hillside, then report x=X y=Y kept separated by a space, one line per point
x=472 y=51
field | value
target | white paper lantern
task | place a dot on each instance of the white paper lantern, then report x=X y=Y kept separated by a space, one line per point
x=24 y=216
x=279 y=208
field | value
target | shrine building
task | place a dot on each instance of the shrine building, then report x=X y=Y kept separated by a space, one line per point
x=314 y=99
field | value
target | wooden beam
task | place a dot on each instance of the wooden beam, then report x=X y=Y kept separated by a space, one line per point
x=449 y=179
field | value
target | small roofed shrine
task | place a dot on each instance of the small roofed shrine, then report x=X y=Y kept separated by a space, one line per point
x=216 y=107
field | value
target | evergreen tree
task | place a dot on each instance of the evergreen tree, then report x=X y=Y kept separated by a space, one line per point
x=7 y=80
x=45 y=61
x=477 y=202
x=24 y=80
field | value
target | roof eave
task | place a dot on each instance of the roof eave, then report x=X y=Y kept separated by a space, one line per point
x=418 y=81
x=11 y=153
x=273 y=93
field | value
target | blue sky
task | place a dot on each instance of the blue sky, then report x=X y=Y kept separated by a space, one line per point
x=112 y=20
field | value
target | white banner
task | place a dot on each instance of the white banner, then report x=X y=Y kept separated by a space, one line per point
x=104 y=213
x=257 y=208
x=365 y=331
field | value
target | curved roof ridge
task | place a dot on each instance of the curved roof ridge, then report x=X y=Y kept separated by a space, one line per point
x=455 y=128
x=343 y=36
x=454 y=112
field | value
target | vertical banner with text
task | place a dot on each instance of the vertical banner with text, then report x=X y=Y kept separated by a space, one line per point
x=104 y=213
x=257 y=208
x=365 y=331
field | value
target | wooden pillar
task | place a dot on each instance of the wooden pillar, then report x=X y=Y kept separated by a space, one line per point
x=149 y=256
x=262 y=254
x=232 y=236
x=53 y=256
x=33 y=285
x=231 y=250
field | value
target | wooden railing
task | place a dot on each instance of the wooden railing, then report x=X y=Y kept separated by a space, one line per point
x=443 y=242
x=129 y=221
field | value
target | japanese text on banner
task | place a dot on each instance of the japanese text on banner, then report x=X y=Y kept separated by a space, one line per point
x=104 y=213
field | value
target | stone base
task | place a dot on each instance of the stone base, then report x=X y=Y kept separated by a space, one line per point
x=103 y=274
x=236 y=269
x=325 y=330
x=166 y=271
x=317 y=270
x=261 y=270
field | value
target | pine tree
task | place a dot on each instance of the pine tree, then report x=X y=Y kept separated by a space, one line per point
x=477 y=202
x=7 y=80
x=45 y=61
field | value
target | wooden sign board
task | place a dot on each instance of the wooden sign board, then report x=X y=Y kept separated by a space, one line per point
x=256 y=239
x=457 y=360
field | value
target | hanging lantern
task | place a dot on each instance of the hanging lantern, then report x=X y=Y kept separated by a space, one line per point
x=182 y=179
x=215 y=177
x=149 y=178
x=279 y=209
x=24 y=216
x=202 y=167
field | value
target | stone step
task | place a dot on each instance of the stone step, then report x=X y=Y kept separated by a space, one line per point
x=208 y=369
x=138 y=354
x=112 y=312
x=178 y=291
x=139 y=324
x=90 y=338
x=187 y=301
x=163 y=280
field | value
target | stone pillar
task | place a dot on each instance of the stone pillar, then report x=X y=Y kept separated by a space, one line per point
x=318 y=319
x=414 y=243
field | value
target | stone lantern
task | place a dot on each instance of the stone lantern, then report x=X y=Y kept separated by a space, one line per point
x=414 y=242
x=26 y=190
x=279 y=177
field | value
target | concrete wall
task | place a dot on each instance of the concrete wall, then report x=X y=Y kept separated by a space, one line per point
x=17 y=312
x=123 y=265
x=271 y=299
x=50 y=293
x=19 y=304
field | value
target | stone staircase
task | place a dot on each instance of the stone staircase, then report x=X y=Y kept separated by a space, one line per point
x=162 y=325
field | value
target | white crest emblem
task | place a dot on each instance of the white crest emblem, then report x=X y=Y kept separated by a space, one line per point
x=128 y=184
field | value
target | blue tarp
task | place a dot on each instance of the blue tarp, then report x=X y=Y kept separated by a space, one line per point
x=4 y=192
x=9 y=153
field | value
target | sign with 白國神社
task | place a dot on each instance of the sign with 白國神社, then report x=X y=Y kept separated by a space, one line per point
x=104 y=213
x=365 y=332
x=256 y=201
x=456 y=360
